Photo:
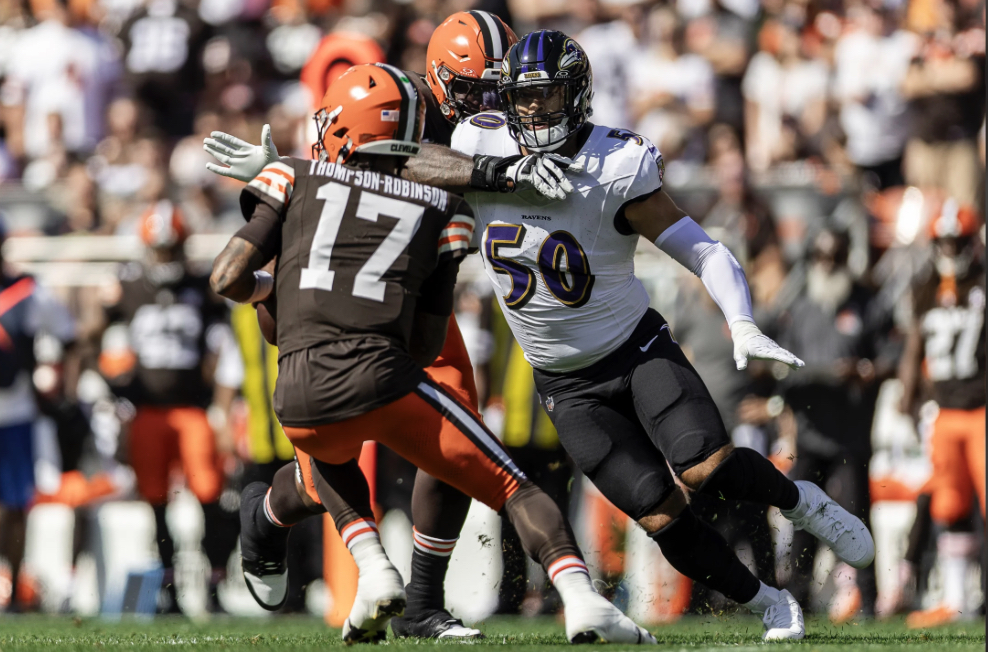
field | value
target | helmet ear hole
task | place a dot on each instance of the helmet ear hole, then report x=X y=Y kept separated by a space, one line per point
x=372 y=83
x=339 y=133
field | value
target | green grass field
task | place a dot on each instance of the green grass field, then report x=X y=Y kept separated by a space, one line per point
x=693 y=634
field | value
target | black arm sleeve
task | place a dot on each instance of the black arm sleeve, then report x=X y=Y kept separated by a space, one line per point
x=263 y=230
x=436 y=296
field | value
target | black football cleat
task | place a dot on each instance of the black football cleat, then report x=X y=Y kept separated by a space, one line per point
x=264 y=560
x=439 y=624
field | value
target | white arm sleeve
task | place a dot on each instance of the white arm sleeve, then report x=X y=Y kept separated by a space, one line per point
x=690 y=246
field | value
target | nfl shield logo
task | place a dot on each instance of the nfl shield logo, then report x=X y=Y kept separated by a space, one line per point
x=549 y=404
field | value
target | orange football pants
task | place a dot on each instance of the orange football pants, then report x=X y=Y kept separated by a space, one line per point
x=433 y=430
x=160 y=437
x=958 y=456
x=452 y=370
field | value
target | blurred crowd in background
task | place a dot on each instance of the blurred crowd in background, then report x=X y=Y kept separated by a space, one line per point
x=816 y=138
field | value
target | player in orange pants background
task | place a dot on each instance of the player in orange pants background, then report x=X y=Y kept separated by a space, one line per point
x=945 y=351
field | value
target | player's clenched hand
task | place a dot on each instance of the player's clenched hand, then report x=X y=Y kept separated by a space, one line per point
x=544 y=172
x=751 y=344
x=243 y=160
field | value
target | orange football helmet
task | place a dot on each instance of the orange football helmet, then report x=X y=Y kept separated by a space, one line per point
x=464 y=62
x=371 y=109
x=163 y=226
x=954 y=221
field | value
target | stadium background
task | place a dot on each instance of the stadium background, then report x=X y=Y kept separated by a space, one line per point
x=777 y=119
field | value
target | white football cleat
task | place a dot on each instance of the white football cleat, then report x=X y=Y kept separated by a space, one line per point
x=818 y=514
x=380 y=597
x=593 y=619
x=784 y=620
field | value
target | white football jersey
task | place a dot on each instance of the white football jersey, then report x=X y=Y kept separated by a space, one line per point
x=564 y=271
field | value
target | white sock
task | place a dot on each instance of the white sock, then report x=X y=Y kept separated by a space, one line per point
x=955 y=549
x=765 y=598
x=571 y=578
x=364 y=543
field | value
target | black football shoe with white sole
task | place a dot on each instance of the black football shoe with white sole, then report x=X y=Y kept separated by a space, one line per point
x=437 y=624
x=264 y=558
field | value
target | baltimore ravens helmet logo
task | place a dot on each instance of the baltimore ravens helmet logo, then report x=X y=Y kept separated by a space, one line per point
x=572 y=55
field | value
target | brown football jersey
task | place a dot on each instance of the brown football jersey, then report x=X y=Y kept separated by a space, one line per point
x=168 y=323
x=360 y=251
x=952 y=324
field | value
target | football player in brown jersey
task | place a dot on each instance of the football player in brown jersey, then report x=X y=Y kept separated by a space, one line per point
x=165 y=314
x=366 y=263
x=945 y=351
x=463 y=64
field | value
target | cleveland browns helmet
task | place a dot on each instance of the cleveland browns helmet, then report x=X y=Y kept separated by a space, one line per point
x=371 y=109
x=547 y=87
x=954 y=232
x=163 y=226
x=464 y=63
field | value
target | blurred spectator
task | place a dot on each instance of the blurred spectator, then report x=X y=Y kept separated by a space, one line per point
x=740 y=218
x=163 y=47
x=844 y=343
x=612 y=49
x=785 y=97
x=722 y=38
x=58 y=82
x=872 y=109
x=76 y=198
x=26 y=313
x=672 y=91
x=946 y=88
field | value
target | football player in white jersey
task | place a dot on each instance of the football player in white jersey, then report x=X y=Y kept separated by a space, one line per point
x=615 y=383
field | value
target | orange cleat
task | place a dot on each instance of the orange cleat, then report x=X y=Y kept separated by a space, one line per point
x=935 y=617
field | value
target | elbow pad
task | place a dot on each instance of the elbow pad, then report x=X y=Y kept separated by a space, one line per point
x=689 y=245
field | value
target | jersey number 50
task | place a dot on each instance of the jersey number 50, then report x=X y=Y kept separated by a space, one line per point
x=562 y=263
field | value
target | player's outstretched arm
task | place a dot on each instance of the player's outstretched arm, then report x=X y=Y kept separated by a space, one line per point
x=243 y=161
x=442 y=167
x=658 y=218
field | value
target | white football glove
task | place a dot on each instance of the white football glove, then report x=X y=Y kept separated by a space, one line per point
x=244 y=161
x=751 y=344
x=546 y=173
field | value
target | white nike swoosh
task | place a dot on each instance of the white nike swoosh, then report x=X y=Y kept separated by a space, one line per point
x=645 y=348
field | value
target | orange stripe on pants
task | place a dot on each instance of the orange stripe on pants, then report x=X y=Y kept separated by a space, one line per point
x=457 y=449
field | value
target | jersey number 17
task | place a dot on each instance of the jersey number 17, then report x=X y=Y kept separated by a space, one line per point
x=367 y=284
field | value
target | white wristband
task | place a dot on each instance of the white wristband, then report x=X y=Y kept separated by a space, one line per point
x=263 y=286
